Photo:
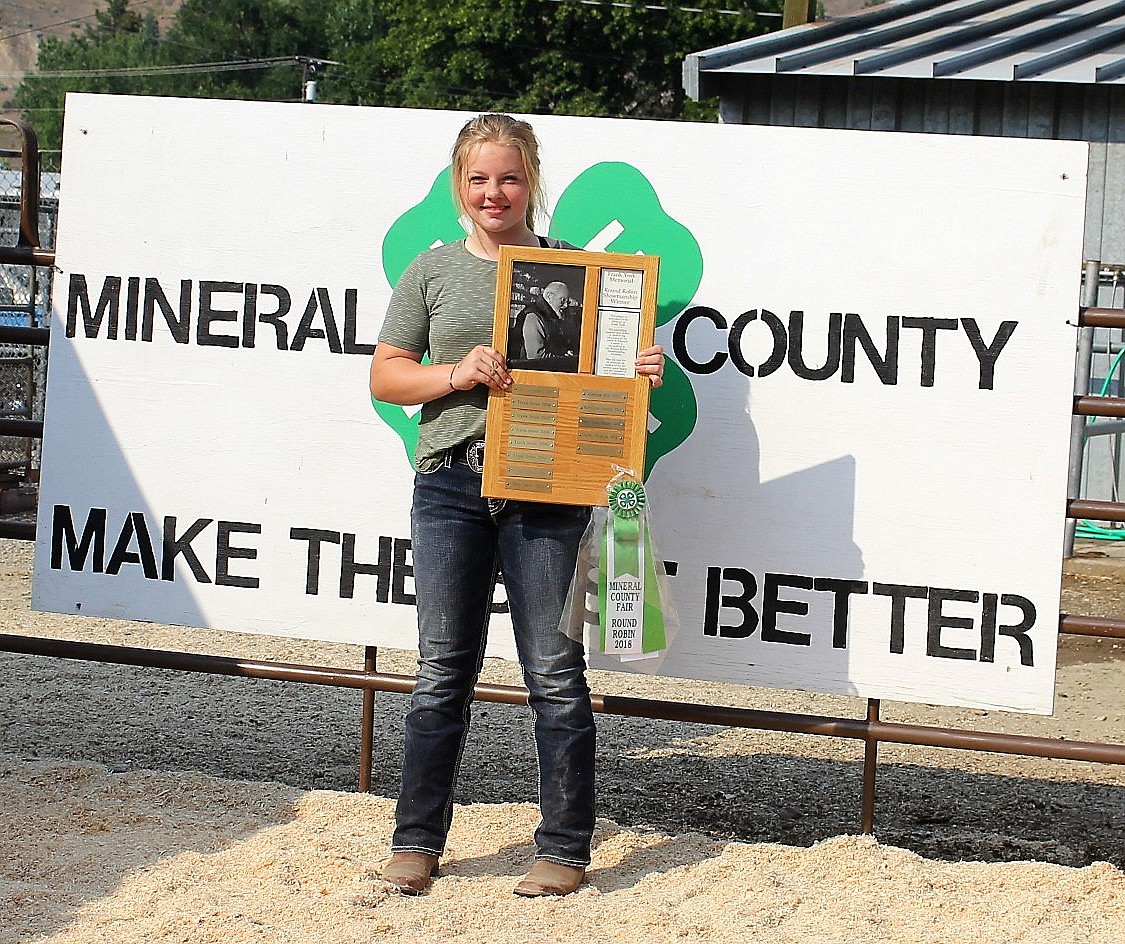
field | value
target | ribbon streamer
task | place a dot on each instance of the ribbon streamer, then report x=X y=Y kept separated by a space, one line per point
x=619 y=602
x=630 y=616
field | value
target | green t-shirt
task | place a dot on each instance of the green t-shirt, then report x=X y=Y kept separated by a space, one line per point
x=443 y=305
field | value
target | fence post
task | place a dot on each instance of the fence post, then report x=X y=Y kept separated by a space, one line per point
x=870 y=761
x=1082 y=364
x=367 y=722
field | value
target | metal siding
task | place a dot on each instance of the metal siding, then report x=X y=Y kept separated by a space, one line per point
x=935 y=108
x=990 y=109
x=734 y=99
x=962 y=111
x=808 y=102
x=834 y=105
x=783 y=104
x=1041 y=121
x=1095 y=203
x=911 y=106
x=1070 y=102
x=1116 y=122
x=884 y=105
x=1014 y=119
x=1095 y=114
x=758 y=99
x=861 y=105
x=1112 y=251
x=987 y=108
x=731 y=113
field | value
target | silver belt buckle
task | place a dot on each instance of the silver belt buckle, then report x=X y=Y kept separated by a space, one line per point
x=474 y=455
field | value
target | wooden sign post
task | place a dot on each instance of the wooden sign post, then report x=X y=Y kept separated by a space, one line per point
x=570 y=324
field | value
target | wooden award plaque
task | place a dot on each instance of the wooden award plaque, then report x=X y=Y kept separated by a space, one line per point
x=570 y=324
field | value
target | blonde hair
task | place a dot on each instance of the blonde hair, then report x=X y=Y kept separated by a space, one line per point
x=507 y=132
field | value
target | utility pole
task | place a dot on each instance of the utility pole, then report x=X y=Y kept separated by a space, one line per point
x=798 y=12
x=309 y=71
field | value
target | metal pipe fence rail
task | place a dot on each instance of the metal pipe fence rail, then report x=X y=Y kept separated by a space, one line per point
x=871 y=730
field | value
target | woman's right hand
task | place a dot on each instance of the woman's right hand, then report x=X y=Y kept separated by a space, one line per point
x=399 y=376
x=482 y=365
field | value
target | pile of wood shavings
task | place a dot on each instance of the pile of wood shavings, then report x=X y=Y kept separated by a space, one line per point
x=91 y=856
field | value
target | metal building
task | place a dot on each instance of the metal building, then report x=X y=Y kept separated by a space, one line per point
x=1011 y=68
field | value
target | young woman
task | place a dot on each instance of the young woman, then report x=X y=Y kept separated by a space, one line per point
x=443 y=306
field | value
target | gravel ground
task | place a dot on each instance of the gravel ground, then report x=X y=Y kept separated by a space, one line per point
x=67 y=724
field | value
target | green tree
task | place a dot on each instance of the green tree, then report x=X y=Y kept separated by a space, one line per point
x=118 y=17
x=529 y=55
x=246 y=30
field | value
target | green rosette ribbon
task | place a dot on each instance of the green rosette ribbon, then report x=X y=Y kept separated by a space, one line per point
x=631 y=617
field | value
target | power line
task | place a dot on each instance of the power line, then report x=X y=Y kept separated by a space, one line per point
x=232 y=65
x=660 y=7
x=47 y=26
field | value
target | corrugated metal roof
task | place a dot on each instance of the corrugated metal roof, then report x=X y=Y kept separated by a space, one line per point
x=997 y=40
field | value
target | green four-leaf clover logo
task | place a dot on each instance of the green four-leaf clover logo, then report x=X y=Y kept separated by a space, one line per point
x=611 y=207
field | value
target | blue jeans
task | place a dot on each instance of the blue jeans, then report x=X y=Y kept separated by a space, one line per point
x=458 y=546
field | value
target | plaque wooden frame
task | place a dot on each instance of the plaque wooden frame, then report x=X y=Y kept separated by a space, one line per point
x=563 y=430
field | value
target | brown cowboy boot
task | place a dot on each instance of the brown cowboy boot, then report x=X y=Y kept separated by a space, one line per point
x=410 y=872
x=550 y=878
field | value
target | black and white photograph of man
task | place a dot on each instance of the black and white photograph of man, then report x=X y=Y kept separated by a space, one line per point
x=545 y=330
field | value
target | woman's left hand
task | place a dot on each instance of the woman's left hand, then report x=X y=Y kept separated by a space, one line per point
x=650 y=364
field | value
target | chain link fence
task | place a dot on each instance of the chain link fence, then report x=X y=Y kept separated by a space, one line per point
x=25 y=301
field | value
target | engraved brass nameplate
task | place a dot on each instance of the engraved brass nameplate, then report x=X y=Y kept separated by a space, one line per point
x=598 y=449
x=620 y=396
x=601 y=422
x=538 y=432
x=526 y=485
x=521 y=455
x=608 y=409
x=529 y=472
x=600 y=435
x=546 y=404
x=522 y=442
x=528 y=416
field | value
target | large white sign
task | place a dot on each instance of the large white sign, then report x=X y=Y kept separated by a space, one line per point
x=857 y=463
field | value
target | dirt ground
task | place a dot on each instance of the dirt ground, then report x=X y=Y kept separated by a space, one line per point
x=149 y=805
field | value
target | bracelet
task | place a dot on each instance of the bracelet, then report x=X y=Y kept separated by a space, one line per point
x=451 y=387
